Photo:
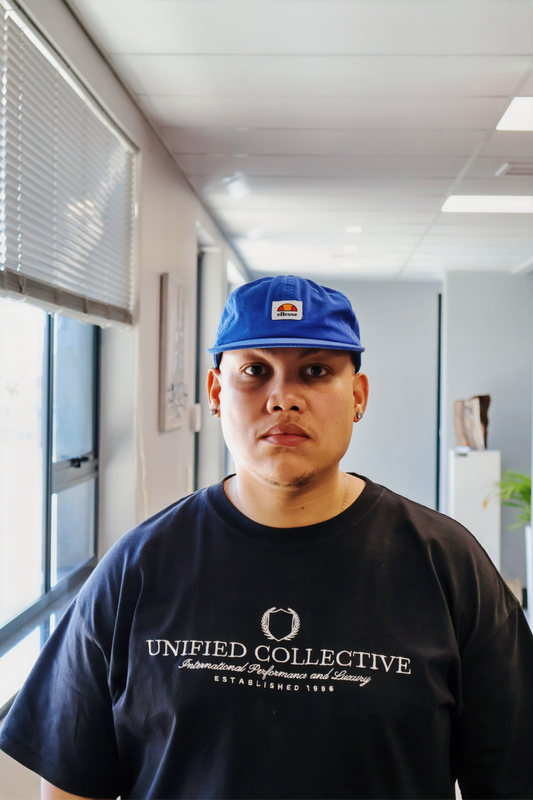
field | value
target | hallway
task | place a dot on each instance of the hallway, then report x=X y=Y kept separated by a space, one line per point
x=381 y=147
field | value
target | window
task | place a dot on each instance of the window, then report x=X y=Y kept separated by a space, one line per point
x=67 y=214
x=48 y=456
x=67 y=178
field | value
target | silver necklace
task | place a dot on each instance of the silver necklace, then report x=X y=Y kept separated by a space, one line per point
x=345 y=492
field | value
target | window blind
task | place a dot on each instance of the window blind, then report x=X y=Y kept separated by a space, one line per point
x=66 y=184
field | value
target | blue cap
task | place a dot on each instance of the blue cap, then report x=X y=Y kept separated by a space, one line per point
x=286 y=311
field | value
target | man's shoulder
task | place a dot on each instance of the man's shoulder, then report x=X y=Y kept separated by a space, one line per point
x=445 y=541
x=431 y=542
x=429 y=523
x=173 y=523
x=166 y=538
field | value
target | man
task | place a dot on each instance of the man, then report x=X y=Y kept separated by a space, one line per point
x=293 y=632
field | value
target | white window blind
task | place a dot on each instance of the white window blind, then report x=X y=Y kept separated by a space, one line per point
x=66 y=184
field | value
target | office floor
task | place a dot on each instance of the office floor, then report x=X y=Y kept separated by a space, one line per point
x=17 y=782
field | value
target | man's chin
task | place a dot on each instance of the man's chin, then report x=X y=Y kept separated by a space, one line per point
x=281 y=479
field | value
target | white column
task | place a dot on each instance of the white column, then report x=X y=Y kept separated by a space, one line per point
x=214 y=292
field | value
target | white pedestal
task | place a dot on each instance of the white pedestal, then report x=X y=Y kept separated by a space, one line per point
x=473 y=477
x=529 y=574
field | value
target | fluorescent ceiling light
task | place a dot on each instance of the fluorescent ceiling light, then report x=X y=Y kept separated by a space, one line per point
x=489 y=204
x=237 y=186
x=354 y=229
x=518 y=117
x=501 y=170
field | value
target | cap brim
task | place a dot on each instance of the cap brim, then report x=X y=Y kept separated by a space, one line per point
x=252 y=344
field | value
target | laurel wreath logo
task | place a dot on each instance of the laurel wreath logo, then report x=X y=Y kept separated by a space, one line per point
x=295 y=624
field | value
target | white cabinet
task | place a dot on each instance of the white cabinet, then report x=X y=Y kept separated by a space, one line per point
x=472 y=479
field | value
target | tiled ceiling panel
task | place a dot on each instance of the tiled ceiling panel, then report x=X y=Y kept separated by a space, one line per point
x=422 y=113
x=510 y=145
x=359 y=195
x=362 y=167
x=315 y=76
x=335 y=113
x=321 y=142
x=373 y=27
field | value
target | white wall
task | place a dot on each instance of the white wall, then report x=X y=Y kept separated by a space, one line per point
x=395 y=443
x=487 y=349
x=214 y=291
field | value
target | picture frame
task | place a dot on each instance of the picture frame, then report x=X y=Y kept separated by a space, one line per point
x=172 y=348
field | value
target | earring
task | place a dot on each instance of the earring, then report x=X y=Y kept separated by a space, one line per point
x=359 y=415
x=214 y=411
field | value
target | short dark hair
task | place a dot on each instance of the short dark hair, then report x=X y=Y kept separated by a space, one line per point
x=356 y=358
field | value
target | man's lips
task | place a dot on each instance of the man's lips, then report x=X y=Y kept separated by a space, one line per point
x=286 y=435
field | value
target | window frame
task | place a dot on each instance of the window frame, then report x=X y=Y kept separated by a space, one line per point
x=61 y=475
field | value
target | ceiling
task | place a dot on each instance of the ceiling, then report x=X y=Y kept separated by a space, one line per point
x=338 y=113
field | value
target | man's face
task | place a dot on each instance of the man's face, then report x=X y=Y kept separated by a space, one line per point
x=287 y=413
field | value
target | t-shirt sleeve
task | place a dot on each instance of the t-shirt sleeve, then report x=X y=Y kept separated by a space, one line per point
x=61 y=724
x=493 y=742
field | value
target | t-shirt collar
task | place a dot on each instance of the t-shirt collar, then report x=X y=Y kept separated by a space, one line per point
x=294 y=536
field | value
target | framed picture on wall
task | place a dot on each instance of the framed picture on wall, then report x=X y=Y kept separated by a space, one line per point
x=172 y=348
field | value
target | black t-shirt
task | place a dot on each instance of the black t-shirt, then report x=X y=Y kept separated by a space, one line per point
x=375 y=655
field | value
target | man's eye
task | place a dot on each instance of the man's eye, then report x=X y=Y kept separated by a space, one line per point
x=315 y=371
x=254 y=369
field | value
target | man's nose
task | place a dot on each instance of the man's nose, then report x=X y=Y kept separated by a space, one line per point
x=285 y=395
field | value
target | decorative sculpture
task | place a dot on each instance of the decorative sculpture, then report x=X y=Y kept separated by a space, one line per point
x=471 y=421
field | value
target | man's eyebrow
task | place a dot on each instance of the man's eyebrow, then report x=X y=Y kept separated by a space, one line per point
x=310 y=351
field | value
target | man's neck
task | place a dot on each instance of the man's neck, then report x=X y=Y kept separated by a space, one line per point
x=293 y=507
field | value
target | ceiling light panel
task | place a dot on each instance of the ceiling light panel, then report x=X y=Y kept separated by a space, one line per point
x=519 y=116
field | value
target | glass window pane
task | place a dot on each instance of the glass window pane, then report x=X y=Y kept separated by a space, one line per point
x=16 y=664
x=73 y=388
x=23 y=344
x=72 y=529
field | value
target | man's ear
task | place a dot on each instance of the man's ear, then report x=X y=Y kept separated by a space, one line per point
x=214 y=387
x=360 y=394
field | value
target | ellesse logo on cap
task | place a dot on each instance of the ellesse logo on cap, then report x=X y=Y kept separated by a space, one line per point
x=287 y=309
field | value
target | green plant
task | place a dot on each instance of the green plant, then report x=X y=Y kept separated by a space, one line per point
x=514 y=490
